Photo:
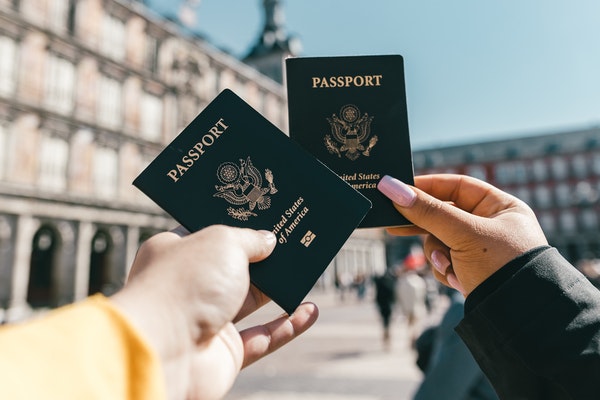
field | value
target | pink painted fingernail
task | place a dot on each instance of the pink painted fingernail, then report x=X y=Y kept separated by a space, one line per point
x=440 y=261
x=397 y=191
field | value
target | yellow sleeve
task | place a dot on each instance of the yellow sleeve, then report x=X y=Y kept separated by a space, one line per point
x=87 y=350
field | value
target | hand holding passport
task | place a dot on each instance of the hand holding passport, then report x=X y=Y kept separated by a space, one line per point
x=231 y=166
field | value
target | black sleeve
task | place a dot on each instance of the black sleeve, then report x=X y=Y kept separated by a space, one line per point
x=536 y=332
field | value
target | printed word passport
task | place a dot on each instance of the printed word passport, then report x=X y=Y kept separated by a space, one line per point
x=350 y=112
x=231 y=166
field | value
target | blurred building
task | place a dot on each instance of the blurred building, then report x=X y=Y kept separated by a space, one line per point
x=557 y=175
x=90 y=92
x=274 y=43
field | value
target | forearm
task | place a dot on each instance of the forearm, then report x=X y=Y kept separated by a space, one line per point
x=539 y=331
x=87 y=350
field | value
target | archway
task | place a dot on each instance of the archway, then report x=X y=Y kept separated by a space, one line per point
x=100 y=264
x=40 y=289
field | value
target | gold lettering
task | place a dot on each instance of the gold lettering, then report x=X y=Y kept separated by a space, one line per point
x=362 y=176
x=173 y=175
x=341 y=81
x=193 y=154
x=187 y=161
x=208 y=140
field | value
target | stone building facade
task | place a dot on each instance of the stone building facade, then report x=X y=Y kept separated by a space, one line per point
x=90 y=92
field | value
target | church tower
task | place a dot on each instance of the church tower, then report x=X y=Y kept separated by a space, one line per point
x=274 y=44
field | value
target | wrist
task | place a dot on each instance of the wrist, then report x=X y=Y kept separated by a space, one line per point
x=164 y=327
x=498 y=278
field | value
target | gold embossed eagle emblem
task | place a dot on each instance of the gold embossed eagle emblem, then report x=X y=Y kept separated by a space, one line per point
x=243 y=184
x=349 y=132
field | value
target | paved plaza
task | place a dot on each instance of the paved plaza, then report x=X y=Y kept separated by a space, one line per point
x=340 y=358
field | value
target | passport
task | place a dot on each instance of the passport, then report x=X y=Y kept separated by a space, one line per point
x=232 y=166
x=350 y=112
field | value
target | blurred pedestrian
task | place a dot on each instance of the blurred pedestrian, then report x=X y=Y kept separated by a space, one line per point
x=385 y=298
x=343 y=283
x=360 y=284
x=412 y=292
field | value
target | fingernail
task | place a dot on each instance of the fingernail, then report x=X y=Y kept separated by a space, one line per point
x=397 y=191
x=440 y=261
x=453 y=281
x=269 y=236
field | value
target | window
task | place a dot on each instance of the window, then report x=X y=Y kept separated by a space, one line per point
x=547 y=222
x=113 y=37
x=151 y=61
x=568 y=221
x=560 y=170
x=52 y=174
x=564 y=196
x=504 y=173
x=110 y=103
x=520 y=172
x=71 y=20
x=60 y=83
x=58 y=11
x=477 y=171
x=580 y=166
x=3 y=150
x=589 y=219
x=524 y=194
x=539 y=170
x=585 y=194
x=596 y=164
x=152 y=117
x=543 y=199
x=8 y=61
x=105 y=172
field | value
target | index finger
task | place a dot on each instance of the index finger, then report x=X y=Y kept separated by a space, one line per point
x=467 y=193
x=457 y=205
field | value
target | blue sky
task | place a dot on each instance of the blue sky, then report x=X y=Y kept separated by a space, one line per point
x=476 y=70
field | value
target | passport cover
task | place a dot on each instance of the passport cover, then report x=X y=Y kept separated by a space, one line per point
x=350 y=112
x=231 y=166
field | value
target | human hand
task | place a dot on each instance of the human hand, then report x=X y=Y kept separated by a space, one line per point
x=471 y=228
x=185 y=293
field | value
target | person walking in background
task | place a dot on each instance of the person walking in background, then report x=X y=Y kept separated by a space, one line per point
x=412 y=291
x=385 y=297
x=360 y=284
x=450 y=371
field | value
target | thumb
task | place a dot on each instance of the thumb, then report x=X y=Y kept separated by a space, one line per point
x=255 y=244
x=258 y=244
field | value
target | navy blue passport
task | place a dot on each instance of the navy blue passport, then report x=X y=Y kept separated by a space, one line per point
x=350 y=112
x=231 y=166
